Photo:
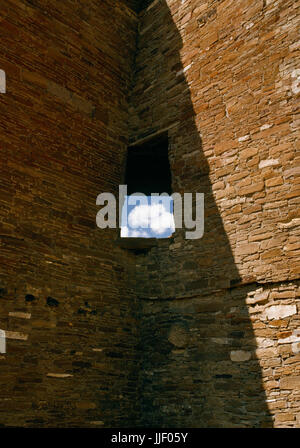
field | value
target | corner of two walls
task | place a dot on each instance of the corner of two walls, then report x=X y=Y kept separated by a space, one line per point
x=67 y=307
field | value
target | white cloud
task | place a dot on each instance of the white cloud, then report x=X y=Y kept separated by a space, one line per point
x=139 y=217
x=161 y=219
x=146 y=220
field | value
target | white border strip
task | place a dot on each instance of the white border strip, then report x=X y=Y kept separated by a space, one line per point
x=2 y=81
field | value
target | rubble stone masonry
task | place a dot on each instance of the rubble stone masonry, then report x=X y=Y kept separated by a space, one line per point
x=190 y=333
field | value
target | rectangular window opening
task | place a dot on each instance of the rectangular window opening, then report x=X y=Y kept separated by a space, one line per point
x=147 y=211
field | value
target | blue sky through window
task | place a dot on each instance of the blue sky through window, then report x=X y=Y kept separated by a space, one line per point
x=147 y=217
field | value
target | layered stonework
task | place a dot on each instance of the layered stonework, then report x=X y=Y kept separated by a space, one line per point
x=66 y=303
x=190 y=333
x=219 y=319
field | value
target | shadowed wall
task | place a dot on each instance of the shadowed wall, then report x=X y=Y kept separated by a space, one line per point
x=212 y=327
x=66 y=303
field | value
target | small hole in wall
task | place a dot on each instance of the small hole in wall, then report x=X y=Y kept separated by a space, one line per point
x=148 y=209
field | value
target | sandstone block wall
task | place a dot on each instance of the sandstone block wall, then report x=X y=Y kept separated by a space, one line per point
x=223 y=311
x=66 y=303
x=191 y=333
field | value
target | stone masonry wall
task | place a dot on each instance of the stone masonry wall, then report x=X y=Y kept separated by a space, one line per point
x=66 y=303
x=220 y=316
x=213 y=339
